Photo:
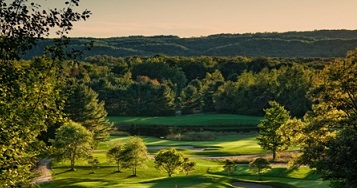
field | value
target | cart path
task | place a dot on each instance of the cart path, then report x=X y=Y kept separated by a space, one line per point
x=44 y=169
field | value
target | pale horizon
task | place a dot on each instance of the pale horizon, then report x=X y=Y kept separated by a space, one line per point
x=196 y=18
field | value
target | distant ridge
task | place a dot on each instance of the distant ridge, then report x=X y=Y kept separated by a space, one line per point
x=318 y=43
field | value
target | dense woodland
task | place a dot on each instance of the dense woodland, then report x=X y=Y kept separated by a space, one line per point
x=319 y=43
x=162 y=85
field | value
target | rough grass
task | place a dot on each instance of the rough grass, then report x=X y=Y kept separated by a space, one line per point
x=190 y=120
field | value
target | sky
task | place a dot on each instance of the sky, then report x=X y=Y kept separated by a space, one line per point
x=195 y=18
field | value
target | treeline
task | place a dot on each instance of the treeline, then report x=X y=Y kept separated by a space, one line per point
x=162 y=85
x=319 y=43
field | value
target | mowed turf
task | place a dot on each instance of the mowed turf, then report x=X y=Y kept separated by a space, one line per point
x=208 y=173
x=189 y=120
x=224 y=145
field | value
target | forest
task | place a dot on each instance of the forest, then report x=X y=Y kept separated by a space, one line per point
x=134 y=86
x=318 y=43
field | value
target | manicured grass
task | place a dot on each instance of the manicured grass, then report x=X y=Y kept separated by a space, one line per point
x=208 y=173
x=189 y=120
x=224 y=145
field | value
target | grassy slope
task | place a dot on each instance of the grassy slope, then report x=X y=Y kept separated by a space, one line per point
x=190 y=120
x=207 y=174
x=231 y=144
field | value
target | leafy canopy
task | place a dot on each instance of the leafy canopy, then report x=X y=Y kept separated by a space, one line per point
x=72 y=141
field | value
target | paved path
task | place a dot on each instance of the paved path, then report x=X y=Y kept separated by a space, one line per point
x=44 y=169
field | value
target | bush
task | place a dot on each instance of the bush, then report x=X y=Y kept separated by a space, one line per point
x=193 y=136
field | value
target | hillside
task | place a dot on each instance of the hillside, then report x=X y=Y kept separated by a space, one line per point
x=319 y=43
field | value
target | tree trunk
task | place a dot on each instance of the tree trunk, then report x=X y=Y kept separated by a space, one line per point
x=274 y=155
x=73 y=160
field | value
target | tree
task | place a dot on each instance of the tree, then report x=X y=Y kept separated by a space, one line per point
x=149 y=97
x=210 y=85
x=169 y=160
x=230 y=166
x=294 y=83
x=114 y=154
x=329 y=143
x=188 y=166
x=190 y=98
x=28 y=95
x=269 y=138
x=134 y=154
x=82 y=106
x=28 y=104
x=94 y=163
x=259 y=165
x=72 y=142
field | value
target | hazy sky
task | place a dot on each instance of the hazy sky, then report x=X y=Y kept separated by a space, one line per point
x=192 y=18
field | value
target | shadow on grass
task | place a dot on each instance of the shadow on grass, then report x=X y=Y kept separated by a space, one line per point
x=71 y=183
x=188 y=182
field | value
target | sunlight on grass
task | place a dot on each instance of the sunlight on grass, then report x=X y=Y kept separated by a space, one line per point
x=208 y=173
x=189 y=120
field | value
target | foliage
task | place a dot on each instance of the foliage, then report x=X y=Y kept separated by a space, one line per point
x=94 y=163
x=188 y=166
x=169 y=160
x=193 y=136
x=72 y=141
x=318 y=43
x=23 y=23
x=259 y=165
x=329 y=142
x=28 y=104
x=82 y=106
x=28 y=93
x=250 y=93
x=230 y=167
x=190 y=97
x=134 y=154
x=114 y=153
x=269 y=138
x=149 y=97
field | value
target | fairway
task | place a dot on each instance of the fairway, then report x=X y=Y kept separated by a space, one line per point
x=208 y=173
x=189 y=120
x=227 y=145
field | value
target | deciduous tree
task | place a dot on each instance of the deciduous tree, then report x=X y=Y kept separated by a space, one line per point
x=188 y=166
x=28 y=96
x=134 y=154
x=169 y=160
x=230 y=166
x=330 y=136
x=269 y=137
x=72 y=141
x=115 y=154
x=259 y=165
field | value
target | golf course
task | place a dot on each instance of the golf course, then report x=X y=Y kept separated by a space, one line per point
x=209 y=156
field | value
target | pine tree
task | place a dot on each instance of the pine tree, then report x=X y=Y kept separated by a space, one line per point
x=269 y=137
x=83 y=106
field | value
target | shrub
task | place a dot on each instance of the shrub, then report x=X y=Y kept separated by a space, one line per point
x=193 y=136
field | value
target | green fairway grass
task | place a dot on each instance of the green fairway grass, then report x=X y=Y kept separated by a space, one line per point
x=225 y=145
x=189 y=120
x=208 y=173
